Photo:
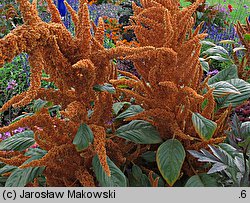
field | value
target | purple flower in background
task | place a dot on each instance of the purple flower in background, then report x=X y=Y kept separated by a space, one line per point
x=212 y=73
x=19 y=130
x=11 y=85
x=5 y=135
x=62 y=8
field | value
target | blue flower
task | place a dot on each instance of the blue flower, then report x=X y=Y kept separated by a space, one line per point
x=62 y=8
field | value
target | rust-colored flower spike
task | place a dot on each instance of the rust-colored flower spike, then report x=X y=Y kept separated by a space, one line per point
x=168 y=62
x=75 y=64
x=242 y=30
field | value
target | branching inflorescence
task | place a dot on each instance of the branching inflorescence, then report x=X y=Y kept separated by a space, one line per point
x=75 y=64
x=243 y=30
x=169 y=88
x=171 y=73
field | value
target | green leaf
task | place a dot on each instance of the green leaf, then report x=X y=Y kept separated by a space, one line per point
x=229 y=149
x=84 y=137
x=216 y=50
x=203 y=126
x=39 y=104
x=140 y=132
x=202 y=180
x=131 y=111
x=21 y=177
x=226 y=74
x=118 y=106
x=137 y=178
x=208 y=43
x=170 y=157
x=204 y=64
x=22 y=116
x=223 y=88
x=18 y=142
x=247 y=36
x=7 y=168
x=235 y=99
x=105 y=88
x=117 y=178
x=217 y=58
x=37 y=152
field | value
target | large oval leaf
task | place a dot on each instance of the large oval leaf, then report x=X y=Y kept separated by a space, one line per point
x=104 y=88
x=140 y=132
x=217 y=58
x=216 y=50
x=83 y=138
x=202 y=180
x=131 y=111
x=118 y=106
x=117 y=178
x=223 y=88
x=203 y=126
x=21 y=177
x=235 y=99
x=18 y=142
x=170 y=157
x=226 y=74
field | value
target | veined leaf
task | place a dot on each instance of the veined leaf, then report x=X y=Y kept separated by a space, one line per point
x=22 y=116
x=202 y=180
x=208 y=43
x=216 y=50
x=140 y=132
x=18 y=142
x=7 y=168
x=223 y=88
x=204 y=156
x=131 y=111
x=217 y=58
x=235 y=99
x=39 y=104
x=203 y=126
x=170 y=157
x=226 y=74
x=84 y=137
x=105 y=88
x=118 y=106
x=117 y=178
x=21 y=177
